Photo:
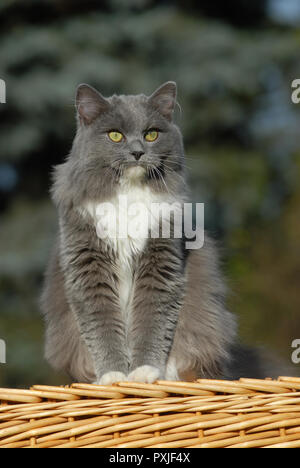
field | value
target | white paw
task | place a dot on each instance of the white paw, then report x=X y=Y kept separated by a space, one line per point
x=112 y=377
x=146 y=374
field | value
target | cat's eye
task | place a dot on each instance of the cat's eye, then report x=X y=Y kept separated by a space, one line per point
x=151 y=135
x=115 y=136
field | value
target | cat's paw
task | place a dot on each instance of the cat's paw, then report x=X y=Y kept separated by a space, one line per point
x=112 y=377
x=146 y=374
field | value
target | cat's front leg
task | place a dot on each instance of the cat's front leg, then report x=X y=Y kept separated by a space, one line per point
x=102 y=331
x=159 y=291
x=92 y=290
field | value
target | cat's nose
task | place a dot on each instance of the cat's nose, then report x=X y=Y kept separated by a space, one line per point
x=137 y=154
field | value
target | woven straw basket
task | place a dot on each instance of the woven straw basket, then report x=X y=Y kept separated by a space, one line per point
x=205 y=413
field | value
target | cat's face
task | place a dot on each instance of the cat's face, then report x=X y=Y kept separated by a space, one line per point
x=123 y=134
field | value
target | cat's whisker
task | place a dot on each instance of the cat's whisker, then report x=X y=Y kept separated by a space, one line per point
x=180 y=164
x=172 y=172
x=163 y=180
x=173 y=161
x=157 y=180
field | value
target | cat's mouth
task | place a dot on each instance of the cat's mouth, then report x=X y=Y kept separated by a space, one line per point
x=136 y=163
x=139 y=165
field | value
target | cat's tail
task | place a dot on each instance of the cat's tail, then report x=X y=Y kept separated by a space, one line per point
x=258 y=363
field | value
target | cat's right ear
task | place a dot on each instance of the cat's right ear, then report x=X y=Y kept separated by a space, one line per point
x=89 y=103
x=164 y=99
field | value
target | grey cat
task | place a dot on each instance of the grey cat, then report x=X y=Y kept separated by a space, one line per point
x=137 y=309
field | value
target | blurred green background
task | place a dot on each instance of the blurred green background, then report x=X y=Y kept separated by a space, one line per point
x=234 y=63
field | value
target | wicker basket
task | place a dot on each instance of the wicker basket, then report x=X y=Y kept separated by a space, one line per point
x=205 y=413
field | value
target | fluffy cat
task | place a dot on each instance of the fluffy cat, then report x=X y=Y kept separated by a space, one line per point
x=137 y=309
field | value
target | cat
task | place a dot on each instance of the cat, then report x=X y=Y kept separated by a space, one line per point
x=131 y=309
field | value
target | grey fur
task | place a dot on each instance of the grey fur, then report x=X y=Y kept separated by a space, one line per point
x=177 y=322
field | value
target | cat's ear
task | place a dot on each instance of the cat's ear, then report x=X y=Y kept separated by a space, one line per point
x=164 y=99
x=89 y=103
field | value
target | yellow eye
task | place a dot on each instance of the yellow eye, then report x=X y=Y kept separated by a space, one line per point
x=115 y=136
x=151 y=135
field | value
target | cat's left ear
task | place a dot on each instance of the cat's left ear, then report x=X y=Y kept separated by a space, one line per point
x=164 y=99
x=89 y=103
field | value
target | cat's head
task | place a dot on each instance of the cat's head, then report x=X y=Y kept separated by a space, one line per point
x=127 y=137
x=134 y=134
